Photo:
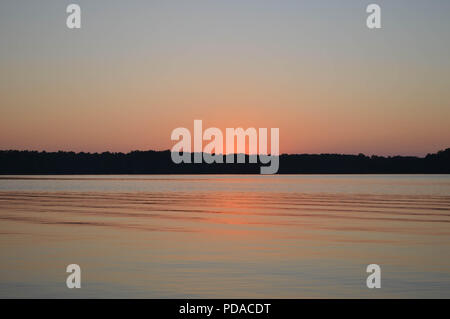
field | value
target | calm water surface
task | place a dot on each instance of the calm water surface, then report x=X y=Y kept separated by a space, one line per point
x=225 y=236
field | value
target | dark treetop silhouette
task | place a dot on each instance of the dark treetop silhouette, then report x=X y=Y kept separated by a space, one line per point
x=159 y=162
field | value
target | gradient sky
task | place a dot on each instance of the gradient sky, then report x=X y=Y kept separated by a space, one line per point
x=138 y=69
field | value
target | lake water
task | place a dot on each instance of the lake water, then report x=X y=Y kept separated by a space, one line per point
x=201 y=236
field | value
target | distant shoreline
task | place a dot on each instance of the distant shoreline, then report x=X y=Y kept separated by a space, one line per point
x=14 y=162
x=159 y=162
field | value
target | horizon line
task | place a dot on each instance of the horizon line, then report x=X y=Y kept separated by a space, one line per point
x=169 y=151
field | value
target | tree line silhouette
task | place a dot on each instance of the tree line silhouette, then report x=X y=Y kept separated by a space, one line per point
x=160 y=162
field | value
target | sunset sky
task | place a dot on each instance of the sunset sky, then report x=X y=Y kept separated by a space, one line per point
x=136 y=70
